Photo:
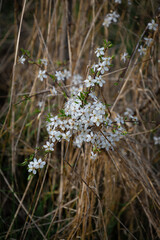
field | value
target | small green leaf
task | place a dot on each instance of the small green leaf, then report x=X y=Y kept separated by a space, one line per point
x=65 y=95
x=31 y=62
x=28 y=124
x=28 y=53
x=24 y=163
x=29 y=177
x=53 y=77
x=92 y=71
x=39 y=61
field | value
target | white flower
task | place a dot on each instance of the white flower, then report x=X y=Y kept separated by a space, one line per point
x=49 y=146
x=44 y=62
x=22 y=59
x=89 y=82
x=128 y=112
x=99 y=51
x=54 y=91
x=93 y=156
x=119 y=119
x=153 y=26
x=142 y=51
x=60 y=76
x=40 y=164
x=31 y=167
x=99 y=81
x=35 y=164
x=42 y=75
x=67 y=74
x=77 y=79
x=148 y=41
x=96 y=118
x=107 y=21
x=67 y=135
x=107 y=60
x=124 y=56
x=40 y=104
x=102 y=67
x=109 y=18
x=94 y=67
x=156 y=140
x=114 y=16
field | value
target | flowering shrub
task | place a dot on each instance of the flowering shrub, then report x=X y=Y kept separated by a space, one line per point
x=85 y=118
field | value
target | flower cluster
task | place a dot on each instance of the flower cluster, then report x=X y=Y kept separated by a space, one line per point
x=34 y=165
x=148 y=41
x=85 y=118
x=129 y=114
x=109 y=18
x=61 y=76
x=77 y=84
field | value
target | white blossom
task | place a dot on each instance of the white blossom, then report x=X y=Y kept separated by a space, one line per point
x=59 y=75
x=156 y=140
x=99 y=51
x=40 y=104
x=102 y=67
x=22 y=59
x=54 y=91
x=99 y=81
x=48 y=146
x=109 y=18
x=148 y=41
x=89 y=82
x=93 y=156
x=124 y=57
x=107 y=21
x=153 y=26
x=44 y=62
x=142 y=51
x=35 y=164
x=42 y=75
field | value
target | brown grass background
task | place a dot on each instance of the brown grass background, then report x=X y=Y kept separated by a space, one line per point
x=114 y=197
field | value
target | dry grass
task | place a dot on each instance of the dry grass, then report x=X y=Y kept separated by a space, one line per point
x=118 y=195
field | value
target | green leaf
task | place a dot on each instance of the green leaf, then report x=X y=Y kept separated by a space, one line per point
x=31 y=157
x=53 y=77
x=28 y=124
x=29 y=177
x=24 y=163
x=31 y=62
x=39 y=61
x=62 y=113
x=22 y=50
x=48 y=117
x=65 y=95
x=28 y=53
x=92 y=71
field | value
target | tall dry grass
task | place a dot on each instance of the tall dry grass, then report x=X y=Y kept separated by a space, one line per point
x=115 y=197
